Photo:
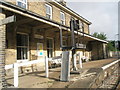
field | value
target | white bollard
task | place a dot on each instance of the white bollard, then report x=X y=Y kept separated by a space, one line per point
x=80 y=61
x=46 y=66
x=65 y=66
x=15 y=74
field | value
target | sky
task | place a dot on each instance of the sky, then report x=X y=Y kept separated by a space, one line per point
x=102 y=14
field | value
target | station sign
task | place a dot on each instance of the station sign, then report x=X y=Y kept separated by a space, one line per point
x=82 y=46
x=40 y=49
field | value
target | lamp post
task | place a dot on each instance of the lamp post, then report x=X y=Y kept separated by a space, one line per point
x=116 y=44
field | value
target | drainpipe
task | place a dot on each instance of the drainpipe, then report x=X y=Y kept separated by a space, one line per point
x=61 y=39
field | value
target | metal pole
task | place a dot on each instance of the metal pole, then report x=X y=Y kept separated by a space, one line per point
x=117 y=50
x=16 y=81
x=73 y=45
x=72 y=34
x=65 y=67
x=61 y=39
x=116 y=45
x=46 y=67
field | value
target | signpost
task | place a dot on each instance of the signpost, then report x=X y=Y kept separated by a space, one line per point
x=65 y=66
x=72 y=27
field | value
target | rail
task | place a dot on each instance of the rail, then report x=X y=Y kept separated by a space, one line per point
x=17 y=65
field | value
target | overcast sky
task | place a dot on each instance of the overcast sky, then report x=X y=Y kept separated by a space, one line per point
x=103 y=15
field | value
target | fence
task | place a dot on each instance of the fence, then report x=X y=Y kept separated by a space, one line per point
x=17 y=65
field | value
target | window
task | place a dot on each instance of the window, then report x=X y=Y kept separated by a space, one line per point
x=22 y=47
x=81 y=26
x=22 y=3
x=50 y=48
x=65 y=41
x=48 y=11
x=62 y=18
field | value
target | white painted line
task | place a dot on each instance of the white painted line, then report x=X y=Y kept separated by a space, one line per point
x=109 y=65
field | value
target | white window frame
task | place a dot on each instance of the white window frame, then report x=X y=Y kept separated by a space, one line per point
x=52 y=46
x=22 y=2
x=46 y=5
x=62 y=13
x=81 y=26
x=28 y=54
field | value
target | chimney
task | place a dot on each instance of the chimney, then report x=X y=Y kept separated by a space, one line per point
x=62 y=2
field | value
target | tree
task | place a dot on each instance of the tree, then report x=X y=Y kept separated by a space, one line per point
x=110 y=45
x=100 y=35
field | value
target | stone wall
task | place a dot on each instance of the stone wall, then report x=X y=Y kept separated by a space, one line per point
x=98 y=51
x=104 y=75
x=11 y=52
x=86 y=28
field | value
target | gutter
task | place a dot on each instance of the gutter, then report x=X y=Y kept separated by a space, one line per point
x=37 y=17
x=90 y=36
x=71 y=11
x=95 y=38
x=30 y=14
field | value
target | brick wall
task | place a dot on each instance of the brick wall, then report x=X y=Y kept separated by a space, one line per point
x=11 y=52
x=39 y=8
x=2 y=52
x=86 y=28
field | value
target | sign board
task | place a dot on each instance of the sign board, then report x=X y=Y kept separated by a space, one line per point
x=8 y=20
x=40 y=49
x=38 y=36
x=80 y=45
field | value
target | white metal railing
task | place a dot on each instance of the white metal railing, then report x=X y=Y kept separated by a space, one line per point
x=111 y=64
x=17 y=65
x=9 y=66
